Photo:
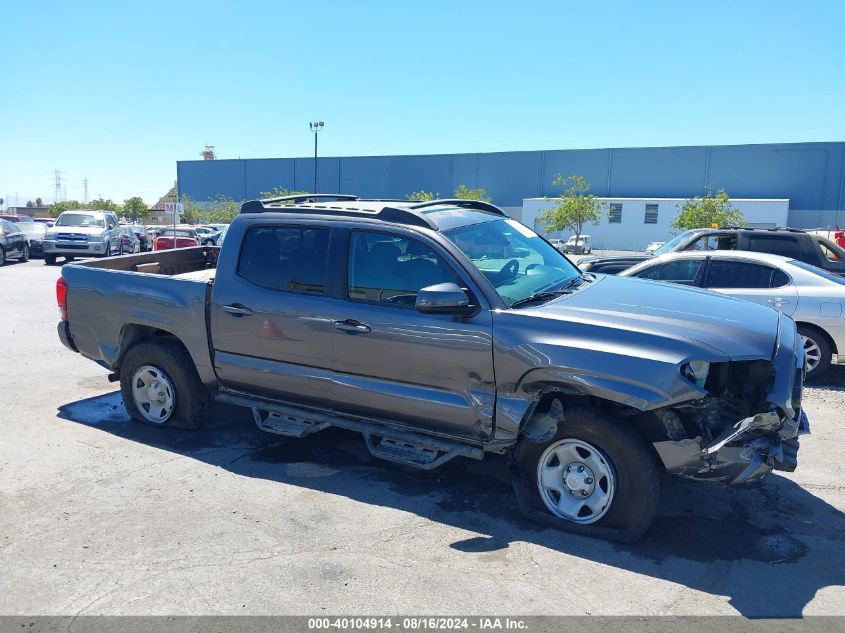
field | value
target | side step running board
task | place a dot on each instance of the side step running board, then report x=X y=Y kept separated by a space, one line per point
x=383 y=440
x=287 y=425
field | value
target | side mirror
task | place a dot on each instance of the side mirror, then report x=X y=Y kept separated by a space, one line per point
x=445 y=298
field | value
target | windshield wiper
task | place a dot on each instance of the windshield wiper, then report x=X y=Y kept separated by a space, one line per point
x=545 y=295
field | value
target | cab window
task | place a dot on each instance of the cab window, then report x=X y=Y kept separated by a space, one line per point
x=285 y=258
x=391 y=269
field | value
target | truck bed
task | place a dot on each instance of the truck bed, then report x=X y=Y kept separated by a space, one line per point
x=170 y=263
x=117 y=300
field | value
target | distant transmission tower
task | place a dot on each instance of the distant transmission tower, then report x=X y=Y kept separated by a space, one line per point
x=58 y=195
x=84 y=191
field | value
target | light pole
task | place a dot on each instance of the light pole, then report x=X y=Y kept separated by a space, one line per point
x=315 y=126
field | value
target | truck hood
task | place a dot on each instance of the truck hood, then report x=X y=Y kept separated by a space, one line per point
x=719 y=327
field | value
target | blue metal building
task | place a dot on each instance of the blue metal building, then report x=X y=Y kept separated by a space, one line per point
x=810 y=175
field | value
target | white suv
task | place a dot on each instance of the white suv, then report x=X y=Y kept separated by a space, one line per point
x=83 y=233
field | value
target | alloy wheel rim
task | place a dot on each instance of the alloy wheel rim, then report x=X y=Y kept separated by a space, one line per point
x=812 y=353
x=153 y=394
x=576 y=481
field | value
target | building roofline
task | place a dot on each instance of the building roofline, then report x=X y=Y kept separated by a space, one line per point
x=521 y=151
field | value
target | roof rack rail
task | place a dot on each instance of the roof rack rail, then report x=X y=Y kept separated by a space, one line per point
x=401 y=215
x=309 y=197
x=785 y=229
x=460 y=202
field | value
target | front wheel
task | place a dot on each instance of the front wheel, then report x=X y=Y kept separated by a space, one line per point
x=2 y=257
x=25 y=253
x=49 y=260
x=595 y=477
x=160 y=386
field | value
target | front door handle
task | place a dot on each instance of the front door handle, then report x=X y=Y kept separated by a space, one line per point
x=237 y=309
x=352 y=326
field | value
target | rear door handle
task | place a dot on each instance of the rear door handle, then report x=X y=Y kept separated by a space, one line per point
x=237 y=309
x=352 y=326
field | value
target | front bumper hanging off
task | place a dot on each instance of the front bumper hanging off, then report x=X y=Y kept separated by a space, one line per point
x=746 y=452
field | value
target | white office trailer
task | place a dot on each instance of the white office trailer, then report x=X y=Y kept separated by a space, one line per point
x=633 y=223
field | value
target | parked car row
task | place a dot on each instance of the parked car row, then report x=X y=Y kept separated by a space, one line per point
x=88 y=233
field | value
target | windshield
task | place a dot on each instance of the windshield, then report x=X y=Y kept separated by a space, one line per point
x=517 y=261
x=79 y=219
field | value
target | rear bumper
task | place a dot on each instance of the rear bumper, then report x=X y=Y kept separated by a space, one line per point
x=63 y=330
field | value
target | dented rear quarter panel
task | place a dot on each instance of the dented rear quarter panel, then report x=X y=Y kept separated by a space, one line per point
x=101 y=303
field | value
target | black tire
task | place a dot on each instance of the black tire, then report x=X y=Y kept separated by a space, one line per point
x=25 y=253
x=637 y=481
x=2 y=256
x=108 y=250
x=68 y=259
x=825 y=351
x=192 y=402
x=49 y=260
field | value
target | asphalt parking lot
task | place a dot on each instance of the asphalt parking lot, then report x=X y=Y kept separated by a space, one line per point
x=99 y=515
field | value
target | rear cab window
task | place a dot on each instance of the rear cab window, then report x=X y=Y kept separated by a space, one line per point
x=286 y=258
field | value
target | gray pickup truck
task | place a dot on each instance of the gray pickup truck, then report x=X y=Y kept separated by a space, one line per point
x=443 y=329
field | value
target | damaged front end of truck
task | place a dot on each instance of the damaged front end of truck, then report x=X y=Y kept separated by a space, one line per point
x=747 y=421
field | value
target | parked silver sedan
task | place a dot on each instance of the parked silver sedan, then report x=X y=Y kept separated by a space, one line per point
x=813 y=297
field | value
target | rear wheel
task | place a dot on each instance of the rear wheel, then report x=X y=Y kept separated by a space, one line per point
x=25 y=253
x=595 y=477
x=2 y=257
x=817 y=352
x=160 y=386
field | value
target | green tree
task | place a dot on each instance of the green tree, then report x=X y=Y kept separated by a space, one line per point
x=281 y=192
x=465 y=193
x=708 y=211
x=422 y=196
x=101 y=204
x=223 y=209
x=191 y=212
x=57 y=208
x=135 y=210
x=575 y=207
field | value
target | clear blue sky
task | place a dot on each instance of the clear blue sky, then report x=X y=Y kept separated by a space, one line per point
x=118 y=92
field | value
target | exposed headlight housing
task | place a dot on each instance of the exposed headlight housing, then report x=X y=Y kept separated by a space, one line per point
x=696 y=371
